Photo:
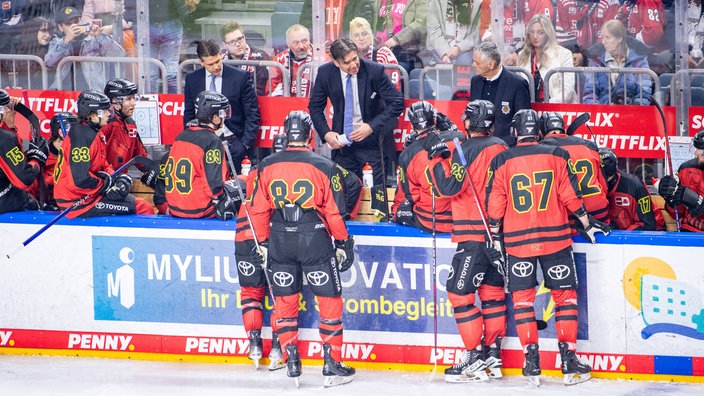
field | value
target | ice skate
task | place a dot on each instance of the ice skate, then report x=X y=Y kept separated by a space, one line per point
x=470 y=369
x=492 y=359
x=276 y=357
x=335 y=373
x=575 y=370
x=531 y=366
x=293 y=364
x=255 y=347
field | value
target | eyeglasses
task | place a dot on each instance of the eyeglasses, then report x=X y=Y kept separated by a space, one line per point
x=238 y=40
x=45 y=30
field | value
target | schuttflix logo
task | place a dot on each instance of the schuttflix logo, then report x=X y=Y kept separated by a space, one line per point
x=121 y=282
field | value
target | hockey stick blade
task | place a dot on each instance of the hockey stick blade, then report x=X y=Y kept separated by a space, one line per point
x=578 y=122
x=28 y=114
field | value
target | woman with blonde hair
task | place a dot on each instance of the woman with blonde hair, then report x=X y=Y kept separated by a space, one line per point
x=540 y=54
x=362 y=36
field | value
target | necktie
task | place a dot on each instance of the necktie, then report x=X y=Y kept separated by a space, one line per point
x=349 y=107
x=212 y=83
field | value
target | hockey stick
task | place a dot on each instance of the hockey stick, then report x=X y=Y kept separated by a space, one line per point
x=541 y=323
x=243 y=202
x=435 y=286
x=667 y=150
x=383 y=178
x=35 y=130
x=72 y=207
x=578 y=122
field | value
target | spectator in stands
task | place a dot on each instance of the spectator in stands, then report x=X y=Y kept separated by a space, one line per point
x=540 y=54
x=32 y=39
x=645 y=20
x=579 y=22
x=237 y=48
x=695 y=36
x=83 y=40
x=36 y=8
x=104 y=11
x=338 y=14
x=165 y=37
x=617 y=50
x=455 y=27
x=299 y=52
x=403 y=27
x=362 y=37
x=516 y=13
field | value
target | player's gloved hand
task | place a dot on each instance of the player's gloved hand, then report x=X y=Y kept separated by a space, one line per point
x=225 y=208
x=434 y=145
x=495 y=250
x=444 y=123
x=260 y=257
x=120 y=188
x=595 y=226
x=669 y=188
x=404 y=213
x=107 y=181
x=344 y=253
x=38 y=151
x=149 y=177
x=410 y=138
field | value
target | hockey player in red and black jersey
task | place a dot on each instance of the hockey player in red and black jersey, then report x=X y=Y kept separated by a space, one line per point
x=196 y=167
x=630 y=204
x=586 y=161
x=531 y=191
x=123 y=140
x=59 y=125
x=685 y=191
x=296 y=212
x=414 y=204
x=472 y=270
x=82 y=173
x=18 y=170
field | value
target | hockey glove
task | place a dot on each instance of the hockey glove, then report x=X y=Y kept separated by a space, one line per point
x=592 y=229
x=233 y=188
x=261 y=257
x=149 y=177
x=444 y=123
x=120 y=189
x=495 y=250
x=107 y=181
x=404 y=213
x=669 y=188
x=224 y=207
x=38 y=151
x=434 y=145
x=344 y=253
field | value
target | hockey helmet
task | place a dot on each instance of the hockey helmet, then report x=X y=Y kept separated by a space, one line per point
x=297 y=126
x=698 y=140
x=608 y=161
x=480 y=114
x=550 y=121
x=67 y=119
x=4 y=97
x=525 y=123
x=208 y=104
x=444 y=123
x=280 y=143
x=421 y=114
x=91 y=101
x=119 y=88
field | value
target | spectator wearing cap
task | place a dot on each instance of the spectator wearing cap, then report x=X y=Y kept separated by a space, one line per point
x=83 y=40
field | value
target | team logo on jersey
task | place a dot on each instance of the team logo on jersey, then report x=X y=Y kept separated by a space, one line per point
x=246 y=268
x=317 y=278
x=559 y=272
x=505 y=107
x=283 y=279
x=478 y=279
x=522 y=269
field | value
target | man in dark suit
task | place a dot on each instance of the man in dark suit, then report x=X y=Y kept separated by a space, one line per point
x=240 y=131
x=505 y=89
x=371 y=115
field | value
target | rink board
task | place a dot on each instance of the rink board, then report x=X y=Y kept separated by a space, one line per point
x=163 y=288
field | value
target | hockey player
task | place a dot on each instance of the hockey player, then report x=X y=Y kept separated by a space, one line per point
x=586 y=161
x=531 y=191
x=123 y=140
x=59 y=125
x=414 y=204
x=196 y=168
x=472 y=269
x=685 y=191
x=82 y=173
x=296 y=208
x=18 y=170
x=630 y=204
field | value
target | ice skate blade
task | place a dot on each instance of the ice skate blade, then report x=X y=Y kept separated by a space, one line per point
x=576 y=378
x=534 y=379
x=494 y=372
x=295 y=381
x=335 y=380
x=276 y=365
x=256 y=363
x=480 y=376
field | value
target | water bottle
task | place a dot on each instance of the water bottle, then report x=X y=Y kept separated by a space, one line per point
x=367 y=176
x=246 y=166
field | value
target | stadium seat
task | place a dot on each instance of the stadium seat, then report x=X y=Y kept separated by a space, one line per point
x=697 y=96
x=697 y=80
x=665 y=79
x=280 y=22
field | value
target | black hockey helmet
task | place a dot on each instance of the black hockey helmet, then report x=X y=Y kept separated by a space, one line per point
x=608 y=161
x=698 y=140
x=4 y=97
x=480 y=114
x=297 y=126
x=280 y=143
x=421 y=114
x=91 y=101
x=444 y=123
x=208 y=104
x=525 y=123
x=67 y=119
x=550 y=121
x=119 y=88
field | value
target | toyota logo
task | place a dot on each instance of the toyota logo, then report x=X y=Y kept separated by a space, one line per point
x=283 y=279
x=317 y=278
x=451 y=273
x=246 y=268
x=460 y=284
x=478 y=278
x=522 y=269
x=100 y=205
x=559 y=272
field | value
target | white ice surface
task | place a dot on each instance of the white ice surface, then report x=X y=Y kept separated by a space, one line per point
x=42 y=375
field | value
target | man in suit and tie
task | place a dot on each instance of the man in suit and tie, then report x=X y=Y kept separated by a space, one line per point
x=504 y=88
x=240 y=131
x=365 y=104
